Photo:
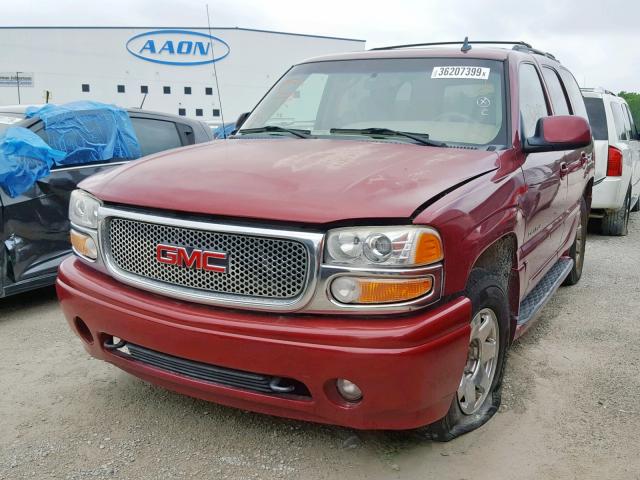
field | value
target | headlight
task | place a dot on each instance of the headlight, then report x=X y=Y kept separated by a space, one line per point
x=385 y=246
x=83 y=209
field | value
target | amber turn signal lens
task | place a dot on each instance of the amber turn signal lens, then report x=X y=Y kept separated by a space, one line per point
x=428 y=249
x=84 y=245
x=392 y=291
x=356 y=290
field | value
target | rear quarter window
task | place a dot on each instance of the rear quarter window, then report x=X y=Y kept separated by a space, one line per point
x=597 y=118
x=618 y=120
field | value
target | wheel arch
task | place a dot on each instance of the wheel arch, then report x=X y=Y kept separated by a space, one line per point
x=501 y=258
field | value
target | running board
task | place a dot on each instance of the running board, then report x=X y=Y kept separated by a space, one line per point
x=540 y=295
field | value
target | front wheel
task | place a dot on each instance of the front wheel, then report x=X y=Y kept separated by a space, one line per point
x=479 y=391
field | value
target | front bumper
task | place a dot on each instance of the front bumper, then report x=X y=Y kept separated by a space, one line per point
x=408 y=367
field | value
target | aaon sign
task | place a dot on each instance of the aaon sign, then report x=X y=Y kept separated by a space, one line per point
x=178 y=47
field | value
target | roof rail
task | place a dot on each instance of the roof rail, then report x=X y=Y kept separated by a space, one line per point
x=465 y=42
x=598 y=90
x=530 y=49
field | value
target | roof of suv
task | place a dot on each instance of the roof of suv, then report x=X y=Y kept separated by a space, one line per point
x=486 y=53
x=597 y=92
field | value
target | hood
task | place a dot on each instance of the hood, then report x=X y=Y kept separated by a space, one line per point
x=310 y=181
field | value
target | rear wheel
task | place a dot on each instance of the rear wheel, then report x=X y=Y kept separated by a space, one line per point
x=577 y=250
x=478 y=394
x=636 y=207
x=616 y=222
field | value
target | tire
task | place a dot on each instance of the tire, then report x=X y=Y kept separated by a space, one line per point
x=577 y=250
x=488 y=297
x=616 y=223
x=636 y=207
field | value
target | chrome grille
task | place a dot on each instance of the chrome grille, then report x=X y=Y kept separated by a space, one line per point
x=261 y=267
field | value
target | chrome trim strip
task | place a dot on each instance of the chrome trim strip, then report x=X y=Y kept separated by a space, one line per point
x=313 y=242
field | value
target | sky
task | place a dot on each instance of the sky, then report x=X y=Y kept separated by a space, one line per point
x=598 y=40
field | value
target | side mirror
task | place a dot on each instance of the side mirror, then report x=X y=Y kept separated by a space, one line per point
x=241 y=119
x=560 y=132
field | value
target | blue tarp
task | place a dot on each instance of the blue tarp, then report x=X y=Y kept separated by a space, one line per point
x=224 y=132
x=74 y=133
x=88 y=131
x=24 y=158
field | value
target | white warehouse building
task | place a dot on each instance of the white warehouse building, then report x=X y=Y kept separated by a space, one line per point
x=167 y=69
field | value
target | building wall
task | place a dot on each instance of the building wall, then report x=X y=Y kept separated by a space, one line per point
x=61 y=60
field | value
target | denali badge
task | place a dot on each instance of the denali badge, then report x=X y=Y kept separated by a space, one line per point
x=192 y=258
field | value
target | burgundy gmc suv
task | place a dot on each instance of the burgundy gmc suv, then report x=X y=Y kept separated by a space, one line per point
x=362 y=252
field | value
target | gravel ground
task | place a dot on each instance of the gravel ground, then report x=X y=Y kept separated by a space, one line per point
x=570 y=406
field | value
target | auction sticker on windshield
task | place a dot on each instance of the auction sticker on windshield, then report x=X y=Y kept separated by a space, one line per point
x=479 y=73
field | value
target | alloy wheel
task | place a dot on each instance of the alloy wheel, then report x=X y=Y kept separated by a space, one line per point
x=482 y=360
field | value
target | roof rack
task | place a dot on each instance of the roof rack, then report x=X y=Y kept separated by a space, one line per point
x=466 y=43
x=530 y=49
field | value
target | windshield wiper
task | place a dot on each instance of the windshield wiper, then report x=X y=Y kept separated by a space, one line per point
x=275 y=128
x=422 y=138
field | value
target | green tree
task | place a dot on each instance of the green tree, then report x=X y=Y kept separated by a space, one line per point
x=633 y=99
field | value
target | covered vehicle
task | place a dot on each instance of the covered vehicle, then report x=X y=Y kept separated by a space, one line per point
x=34 y=229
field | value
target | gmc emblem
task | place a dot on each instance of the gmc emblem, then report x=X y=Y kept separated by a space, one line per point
x=192 y=258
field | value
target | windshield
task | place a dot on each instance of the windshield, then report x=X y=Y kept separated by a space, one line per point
x=459 y=101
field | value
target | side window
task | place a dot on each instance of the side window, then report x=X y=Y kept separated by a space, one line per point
x=618 y=120
x=597 y=117
x=634 y=130
x=627 y=122
x=155 y=135
x=558 y=98
x=574 y=93
x=532 y=102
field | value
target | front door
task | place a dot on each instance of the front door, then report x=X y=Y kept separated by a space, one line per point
x=545 y=176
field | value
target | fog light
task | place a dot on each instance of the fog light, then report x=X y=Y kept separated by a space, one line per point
x=84 y=245
x=348 y=390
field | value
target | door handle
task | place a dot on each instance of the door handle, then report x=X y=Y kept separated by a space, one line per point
x=564 y=169
x=583 y=159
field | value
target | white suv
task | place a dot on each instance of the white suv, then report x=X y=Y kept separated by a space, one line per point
x=616 y=190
